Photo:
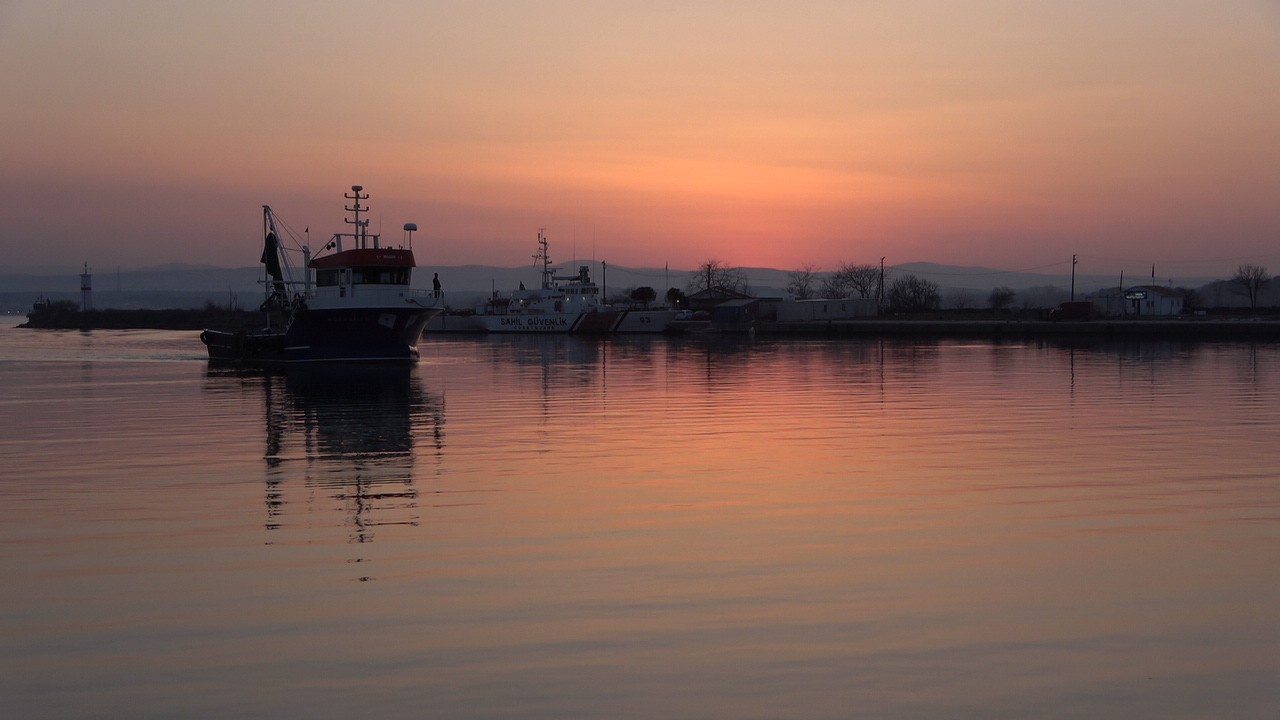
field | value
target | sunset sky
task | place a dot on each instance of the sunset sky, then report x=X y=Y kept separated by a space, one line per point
x=1005 y=134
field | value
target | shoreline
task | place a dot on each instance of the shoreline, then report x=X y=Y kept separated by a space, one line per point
x=114 y=319
x=1113 y=329
x=1200 y=329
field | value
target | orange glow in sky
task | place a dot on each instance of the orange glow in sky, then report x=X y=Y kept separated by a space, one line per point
x=992 y=133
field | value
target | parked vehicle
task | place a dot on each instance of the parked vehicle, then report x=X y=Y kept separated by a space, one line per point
x=1072 y=311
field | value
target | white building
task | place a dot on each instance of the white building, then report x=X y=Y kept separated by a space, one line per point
x=1138 y=301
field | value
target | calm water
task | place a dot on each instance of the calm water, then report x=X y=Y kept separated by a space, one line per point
x=643 y=528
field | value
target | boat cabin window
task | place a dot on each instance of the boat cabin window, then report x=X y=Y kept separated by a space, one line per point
x=330 y=277
x=380 y=276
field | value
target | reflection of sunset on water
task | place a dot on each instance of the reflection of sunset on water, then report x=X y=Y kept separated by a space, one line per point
x=341 y=434
x=647 y=527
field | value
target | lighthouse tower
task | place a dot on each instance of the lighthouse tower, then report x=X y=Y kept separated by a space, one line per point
x=86 y=289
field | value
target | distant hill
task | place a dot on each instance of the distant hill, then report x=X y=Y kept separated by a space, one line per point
x=162 y=278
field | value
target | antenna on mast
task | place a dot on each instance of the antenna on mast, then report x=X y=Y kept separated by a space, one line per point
x=356 y=209
x=545 y=257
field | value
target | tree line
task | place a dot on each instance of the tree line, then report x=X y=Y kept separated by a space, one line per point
x=903 y=293
x=911 y=293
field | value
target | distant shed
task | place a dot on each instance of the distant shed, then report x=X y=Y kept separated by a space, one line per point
x=736 y=312
x=709 y=299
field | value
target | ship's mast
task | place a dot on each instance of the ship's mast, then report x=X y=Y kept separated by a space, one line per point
x=356 y=209
x=545 y=257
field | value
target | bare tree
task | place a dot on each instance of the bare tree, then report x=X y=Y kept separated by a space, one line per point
x=862 y=278
x=802 y=282
x=834 y=286
x=910 y=293
x=959 y=298
x=1250 y=280
x=865 y=279
x=849 y=279
x=717 y=274
x=1001 y=297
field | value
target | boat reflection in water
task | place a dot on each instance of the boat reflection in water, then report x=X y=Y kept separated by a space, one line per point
x=341 y=441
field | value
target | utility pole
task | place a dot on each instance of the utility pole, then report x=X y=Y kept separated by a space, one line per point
x=880 y=287
x=86 y=289
x=1073 y=278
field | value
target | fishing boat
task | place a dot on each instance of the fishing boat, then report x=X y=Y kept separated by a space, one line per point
x=352 y=301
x=563 y=304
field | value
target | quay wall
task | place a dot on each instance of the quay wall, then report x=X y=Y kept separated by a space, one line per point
x=1188 y=330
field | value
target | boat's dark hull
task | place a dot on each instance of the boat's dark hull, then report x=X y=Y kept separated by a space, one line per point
x=373 y=334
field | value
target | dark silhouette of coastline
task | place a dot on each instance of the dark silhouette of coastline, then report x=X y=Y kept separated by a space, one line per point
x=1190 y=330
x=67 y=316
x=975 y=325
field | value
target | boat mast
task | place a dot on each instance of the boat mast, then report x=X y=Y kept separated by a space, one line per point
x=273 y=257
x=356 y=209
x=545 y=257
